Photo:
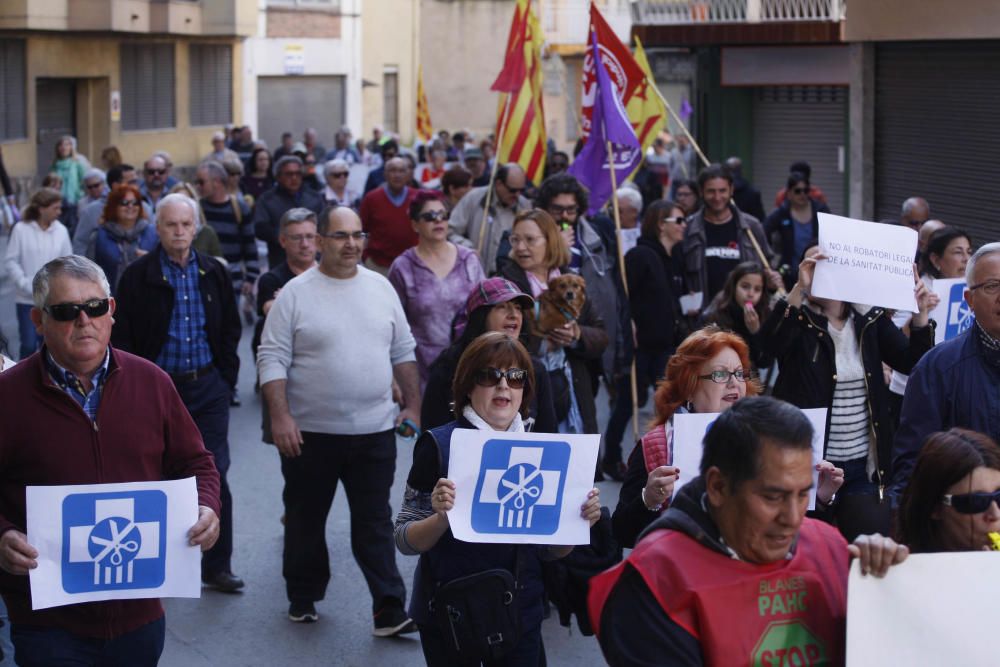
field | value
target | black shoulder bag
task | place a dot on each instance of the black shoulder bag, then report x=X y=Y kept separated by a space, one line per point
x=478 y=615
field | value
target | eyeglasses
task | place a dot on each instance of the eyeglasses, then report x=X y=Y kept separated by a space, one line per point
x=722 y=377
x=558 y=211
x=129 y=203
x=94 y=186
x=990 y=287
x=299 y=238
x=513 y=191
x=490 y=377
x=67 y=312
x=290 y=174
x=678 y=220
x=526 y=240
x=156 y=172
x=433 y=216
x=200 y=181
x=799 y=191
x=683 y=194
x=343 y=236
x=971 y=503
x=338 y=174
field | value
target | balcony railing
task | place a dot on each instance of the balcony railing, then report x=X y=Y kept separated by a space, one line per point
x=691 y=12
x=566 y=21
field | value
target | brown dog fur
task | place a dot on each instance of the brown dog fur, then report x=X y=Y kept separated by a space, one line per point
x=561 y=303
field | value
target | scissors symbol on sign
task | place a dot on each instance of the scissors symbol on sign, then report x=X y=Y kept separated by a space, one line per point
x=521 y=487
x=116 y=544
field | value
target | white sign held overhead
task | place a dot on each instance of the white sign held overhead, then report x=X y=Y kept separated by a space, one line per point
x=868 y=263
x=901 y=620
x=113 y=541
x=689 y=435
x=521 y=488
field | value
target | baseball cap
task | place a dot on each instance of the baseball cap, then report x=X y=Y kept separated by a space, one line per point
x=491 y=292
x=474 y=154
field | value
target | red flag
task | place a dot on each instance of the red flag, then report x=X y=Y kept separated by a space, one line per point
x=625 y=73
x=514 y=70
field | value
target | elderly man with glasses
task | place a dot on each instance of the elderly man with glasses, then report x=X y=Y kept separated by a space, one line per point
x=103 y=415
x=334 y=340
x=957 y=383
x=385 y=215
x=287 y=193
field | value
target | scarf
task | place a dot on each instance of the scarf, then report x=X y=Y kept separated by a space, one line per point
x=127 y=241
x=990 y=346
x=516 y=426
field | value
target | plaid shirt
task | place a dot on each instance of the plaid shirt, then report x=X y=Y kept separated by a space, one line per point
x=186 y=348
x=71 y=384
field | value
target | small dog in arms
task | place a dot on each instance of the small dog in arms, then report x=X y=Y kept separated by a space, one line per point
x=561 y=304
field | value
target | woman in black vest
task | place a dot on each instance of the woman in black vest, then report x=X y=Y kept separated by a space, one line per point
x=493 y=385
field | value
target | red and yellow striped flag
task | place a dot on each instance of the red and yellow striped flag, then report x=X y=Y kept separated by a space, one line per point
x=522 y=137
x=425 y=129
x=645 y=110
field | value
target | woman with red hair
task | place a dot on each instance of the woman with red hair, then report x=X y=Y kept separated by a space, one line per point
x=709 y=372
x=124 y=234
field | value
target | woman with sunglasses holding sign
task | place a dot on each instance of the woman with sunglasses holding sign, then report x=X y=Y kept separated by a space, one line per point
x=493 y=385
x=124 y=234
x=34 y=242
x=433 y=279
x=951 y=502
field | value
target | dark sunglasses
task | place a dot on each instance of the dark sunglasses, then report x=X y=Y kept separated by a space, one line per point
x=800 y=191
x=490 y=377
x=513 y=191
x=129 y=203
x=338 y=174
x=94 y=186
x=971 y=503
x=158 y=172
x=433 y=216
x=67 y=312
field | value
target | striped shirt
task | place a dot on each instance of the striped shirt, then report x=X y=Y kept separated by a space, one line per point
x=239 y=245
x=850 y=424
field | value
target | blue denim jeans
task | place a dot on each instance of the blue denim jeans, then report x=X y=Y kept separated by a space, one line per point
x=26 y=330
x=41 y=647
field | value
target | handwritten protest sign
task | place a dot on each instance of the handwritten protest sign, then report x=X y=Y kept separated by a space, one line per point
x=932 y=609
x=868 y=262
x=689 y=434
x=113 y=542
x=953 y=315
x=521 y=488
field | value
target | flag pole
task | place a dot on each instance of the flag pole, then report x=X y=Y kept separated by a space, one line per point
x=621 y=267
x=493 y=177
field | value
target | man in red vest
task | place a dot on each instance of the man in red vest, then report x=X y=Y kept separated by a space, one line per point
x=734 y=573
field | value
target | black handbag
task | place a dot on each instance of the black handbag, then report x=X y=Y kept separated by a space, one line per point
x=478 y=615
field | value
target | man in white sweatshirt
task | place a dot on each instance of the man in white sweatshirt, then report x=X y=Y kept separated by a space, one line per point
x=334 y=340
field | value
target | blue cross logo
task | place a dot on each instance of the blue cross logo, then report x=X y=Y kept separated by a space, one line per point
x=114 y=541
x=960 y=316
x=520 y=487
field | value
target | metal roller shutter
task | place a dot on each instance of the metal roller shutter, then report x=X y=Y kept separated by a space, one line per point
x=936 y=131
x=793 y=123
x=211 y=84
x=293 y=103
x=13 y=95
x=147 y=80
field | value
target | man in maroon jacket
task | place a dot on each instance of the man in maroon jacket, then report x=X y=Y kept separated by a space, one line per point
x=79 y=412
x=385 y=215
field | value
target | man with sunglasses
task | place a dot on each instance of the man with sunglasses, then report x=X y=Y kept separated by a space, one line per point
x=957 y=383
x=176 y=308
x=385 y=215
x=82 y=412
x=154 y=184
x=287 y=193
x=506 y=202
x=334 y=340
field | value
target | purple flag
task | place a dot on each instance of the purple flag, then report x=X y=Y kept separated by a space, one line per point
x=609 y=123
x=686 y=109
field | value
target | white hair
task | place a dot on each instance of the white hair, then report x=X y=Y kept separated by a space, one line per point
x=631 y=197
x=970 y=268
x=178 y=198
x=74 y=266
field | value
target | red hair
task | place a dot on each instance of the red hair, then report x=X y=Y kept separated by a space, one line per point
x=682 y=370
x=115 y=197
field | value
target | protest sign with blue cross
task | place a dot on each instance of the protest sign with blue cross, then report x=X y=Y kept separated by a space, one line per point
x=960 y=315
x=520 y=487
x=114 y=541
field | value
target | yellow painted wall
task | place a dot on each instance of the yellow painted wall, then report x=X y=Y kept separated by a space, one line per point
x=96 y=60
x=390 y=35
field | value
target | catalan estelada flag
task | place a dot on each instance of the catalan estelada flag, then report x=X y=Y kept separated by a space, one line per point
x=520 y=118
x=425 y=129
x=645 y=109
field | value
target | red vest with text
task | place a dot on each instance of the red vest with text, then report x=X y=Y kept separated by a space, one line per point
x=792 y=612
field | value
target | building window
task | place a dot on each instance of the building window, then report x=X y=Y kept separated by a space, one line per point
x=390 y=99
x=12 y=90
x=211 y=70
x=147 y=86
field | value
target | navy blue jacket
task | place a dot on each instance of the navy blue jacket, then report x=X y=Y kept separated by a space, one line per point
x=953 y=385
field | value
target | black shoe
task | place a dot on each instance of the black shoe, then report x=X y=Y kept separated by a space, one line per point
x=226 y=582
x=391 y=620
x=302 y=612
x=615 y=470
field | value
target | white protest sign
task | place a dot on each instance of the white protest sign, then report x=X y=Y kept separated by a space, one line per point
x=931 y=609
x=689 y=434
x=869 y=263
x=953 y=315
x=521 y=488
x=627 y=238
x=692 y=301
x=113 y=542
